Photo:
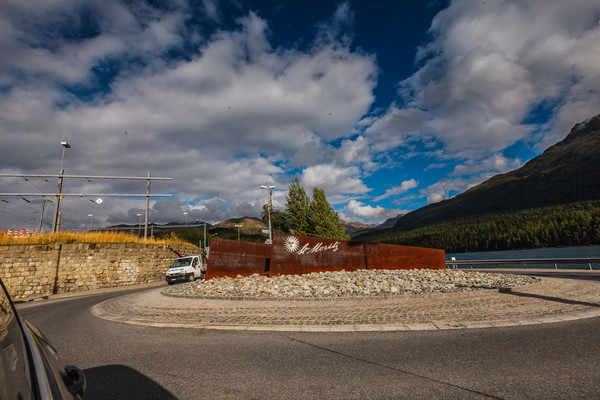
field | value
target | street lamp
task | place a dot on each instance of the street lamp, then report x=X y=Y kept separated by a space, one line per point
x=186 y=216
x=238 y=226
x=210 y=236
x=91 y=217
x=140 y=224
x=270 y=188
x=64 y=145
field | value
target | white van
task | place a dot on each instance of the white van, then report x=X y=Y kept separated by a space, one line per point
x=186 y=269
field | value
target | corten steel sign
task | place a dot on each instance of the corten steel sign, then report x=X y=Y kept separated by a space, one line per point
x=233 y=258
x=301 y=255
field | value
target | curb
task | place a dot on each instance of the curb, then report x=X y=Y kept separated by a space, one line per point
x=87 y=292
x=149 y=310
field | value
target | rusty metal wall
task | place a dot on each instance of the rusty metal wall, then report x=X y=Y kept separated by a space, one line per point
x=232 y=258
x=388 y=256
x=302 y=255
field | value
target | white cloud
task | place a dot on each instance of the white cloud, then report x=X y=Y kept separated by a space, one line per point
x=404 y=187
x=356 y=209
x=222 y=122
x=496 y=163
x=392 y=129
x=441 y=190
x=333 y=179
x=336 y=29
x=349 y=152
x=490 y=64
x=32 y=43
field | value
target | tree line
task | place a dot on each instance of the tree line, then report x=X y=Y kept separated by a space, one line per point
x=575 y=224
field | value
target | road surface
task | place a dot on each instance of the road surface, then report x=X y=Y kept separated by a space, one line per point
x=549 y=361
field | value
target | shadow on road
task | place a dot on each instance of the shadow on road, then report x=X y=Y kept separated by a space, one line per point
x=549 y=298
x=121 y=382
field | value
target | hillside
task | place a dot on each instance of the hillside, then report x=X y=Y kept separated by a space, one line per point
x=564 y=181
x=352 y=227
x=390 y=222
x=249 y=226
x=566 y=172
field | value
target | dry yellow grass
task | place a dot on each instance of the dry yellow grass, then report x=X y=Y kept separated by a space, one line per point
x=88 y=237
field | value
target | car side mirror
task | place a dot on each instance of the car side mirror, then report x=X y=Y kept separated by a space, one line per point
x=74 y=379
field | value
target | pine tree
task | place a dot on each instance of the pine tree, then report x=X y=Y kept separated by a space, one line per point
x=312 y=217
x=297 y=205
x=323 y=220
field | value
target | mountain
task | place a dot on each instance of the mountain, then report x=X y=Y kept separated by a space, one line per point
x=248 y=226
x=351 y=227
x=390 y=222
x=566 y=172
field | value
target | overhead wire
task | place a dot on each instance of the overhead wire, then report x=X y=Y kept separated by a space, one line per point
x=17 y=209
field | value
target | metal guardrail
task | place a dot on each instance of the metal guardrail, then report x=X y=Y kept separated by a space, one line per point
x=525 y=262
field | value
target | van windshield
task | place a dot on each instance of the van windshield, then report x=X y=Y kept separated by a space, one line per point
x=182 y=262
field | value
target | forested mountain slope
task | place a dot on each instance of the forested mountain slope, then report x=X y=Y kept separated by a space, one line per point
x=567 y=173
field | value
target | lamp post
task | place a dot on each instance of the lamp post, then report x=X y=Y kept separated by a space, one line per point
x=64 y=145
x=140 y=224
x=210 y=236
x=186 y=216
x=91 y=217
x=238 y=226
x=270 y=188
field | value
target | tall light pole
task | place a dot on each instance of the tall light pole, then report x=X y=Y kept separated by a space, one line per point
x=210 y=236
x=64 y=145
x=270 y=188
x=140 y=225
x=186 y=216
x=238 y=226
x=91 y=218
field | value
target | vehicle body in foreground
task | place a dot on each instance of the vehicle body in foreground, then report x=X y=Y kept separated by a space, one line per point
x=186 y=269
x=29 y=365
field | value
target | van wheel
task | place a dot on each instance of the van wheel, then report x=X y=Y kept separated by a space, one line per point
x=191 y=278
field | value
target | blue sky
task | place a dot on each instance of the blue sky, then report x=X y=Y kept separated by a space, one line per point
x=386 y=105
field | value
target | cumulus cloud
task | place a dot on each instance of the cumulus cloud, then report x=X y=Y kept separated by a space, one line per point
x=358 y=210
x=334 y=179
x=222 y=121
x=496 y=163
x=392 y=129
x=491 y=64
x=396 y=190
x=441 y=190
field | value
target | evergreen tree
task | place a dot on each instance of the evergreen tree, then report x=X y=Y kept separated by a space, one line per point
x=324 y=221
x=312 y=217
x=297 y=205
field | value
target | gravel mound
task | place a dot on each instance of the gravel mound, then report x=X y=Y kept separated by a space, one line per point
x=361 y=283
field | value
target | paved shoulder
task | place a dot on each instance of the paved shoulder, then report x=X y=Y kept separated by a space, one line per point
x=551 y=300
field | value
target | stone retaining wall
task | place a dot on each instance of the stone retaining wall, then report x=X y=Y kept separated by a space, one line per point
x=40 y=270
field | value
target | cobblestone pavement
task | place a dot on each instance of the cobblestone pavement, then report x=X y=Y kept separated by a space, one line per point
x=551 y=300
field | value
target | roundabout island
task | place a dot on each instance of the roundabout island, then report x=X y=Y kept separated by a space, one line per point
x=441 y=299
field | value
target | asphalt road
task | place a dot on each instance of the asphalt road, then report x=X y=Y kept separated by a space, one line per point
x=549 y=361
